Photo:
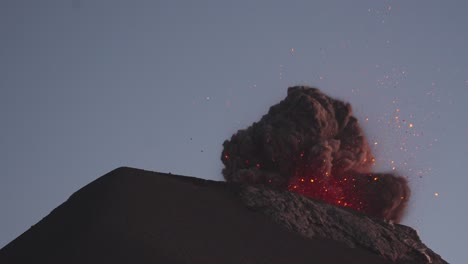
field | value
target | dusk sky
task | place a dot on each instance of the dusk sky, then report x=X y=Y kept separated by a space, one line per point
x=87 y=86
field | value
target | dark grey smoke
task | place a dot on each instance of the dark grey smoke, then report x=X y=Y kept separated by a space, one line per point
x=310 y=135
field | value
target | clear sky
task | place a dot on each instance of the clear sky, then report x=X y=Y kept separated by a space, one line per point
x=87 y=86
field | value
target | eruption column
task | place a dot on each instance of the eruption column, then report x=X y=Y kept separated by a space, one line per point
x=311 y=144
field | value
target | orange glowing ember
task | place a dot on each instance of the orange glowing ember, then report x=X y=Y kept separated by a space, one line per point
x=338 y=190
x=330 y=190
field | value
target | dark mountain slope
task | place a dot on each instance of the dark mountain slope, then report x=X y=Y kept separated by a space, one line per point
x=136 y=216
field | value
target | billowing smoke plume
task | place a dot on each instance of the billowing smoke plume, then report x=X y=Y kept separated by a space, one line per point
x=312 y=144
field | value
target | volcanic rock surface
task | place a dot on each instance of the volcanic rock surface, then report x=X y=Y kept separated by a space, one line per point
x=315 y=219
x=135 y=216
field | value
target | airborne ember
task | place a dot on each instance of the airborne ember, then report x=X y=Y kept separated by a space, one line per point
x=311 y=144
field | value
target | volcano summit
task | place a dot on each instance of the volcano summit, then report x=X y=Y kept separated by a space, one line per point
x=136 y=216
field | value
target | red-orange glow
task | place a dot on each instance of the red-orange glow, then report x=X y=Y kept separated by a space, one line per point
x=338 y=190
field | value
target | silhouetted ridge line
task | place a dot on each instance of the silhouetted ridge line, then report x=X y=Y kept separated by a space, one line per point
x=136 y=216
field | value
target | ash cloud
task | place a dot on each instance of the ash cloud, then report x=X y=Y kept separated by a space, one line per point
x=308 y=138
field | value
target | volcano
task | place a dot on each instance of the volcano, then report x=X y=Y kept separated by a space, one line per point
x=136 y=216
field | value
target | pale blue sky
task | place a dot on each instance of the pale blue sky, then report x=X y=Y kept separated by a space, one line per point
x=87 y=86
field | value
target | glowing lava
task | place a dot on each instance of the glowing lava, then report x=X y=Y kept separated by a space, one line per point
x=355 y=191
x=341 y=192
x=368 y=193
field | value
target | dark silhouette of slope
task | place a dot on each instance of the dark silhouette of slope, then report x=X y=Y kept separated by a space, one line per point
x=136 y=216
